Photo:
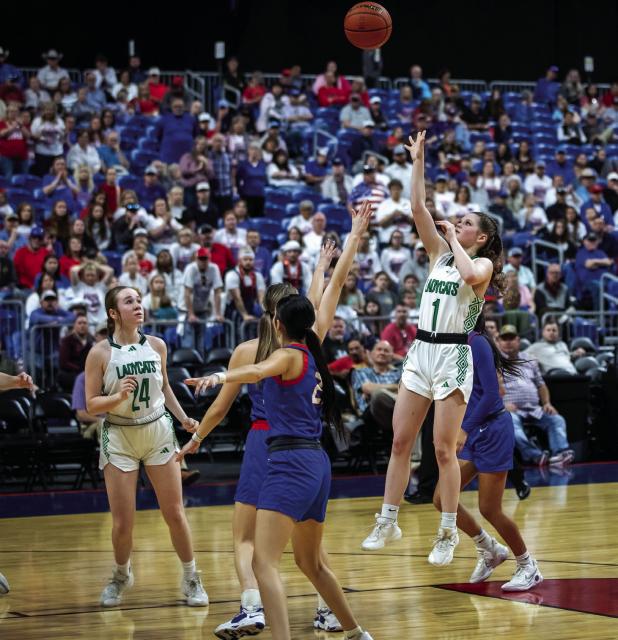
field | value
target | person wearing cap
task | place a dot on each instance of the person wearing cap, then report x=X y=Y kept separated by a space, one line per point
x=156 y=88
x=29 y=259
x=290 y=269
x=50 y=75
x=400 y=169
x=394 y=213
x=591 y=263
x=369 y=189
x=8 y=277
x=201 y=298
x=354 y=114
x=524 y=274
x=538 y=183
x=547 y=88
x=561 y=166
x=597 y=203
x=245 y=287
x=11 y=91
x=527 y=398
x=337 y=184
x=316 y=168
x=376 y=114
x=150 y=188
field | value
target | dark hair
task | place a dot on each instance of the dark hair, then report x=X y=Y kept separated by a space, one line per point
x=492 y=250
x=111 y=302
x=267 y=341
x=94 y=226
x=39 y=288
x=551 y=320
x=501 y=362
x=297 y=315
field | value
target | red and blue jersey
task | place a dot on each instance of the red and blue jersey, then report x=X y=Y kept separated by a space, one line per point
x=294 y=407
x=258 y=412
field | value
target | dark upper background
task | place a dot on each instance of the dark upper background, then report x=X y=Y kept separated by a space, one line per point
x=490 y=40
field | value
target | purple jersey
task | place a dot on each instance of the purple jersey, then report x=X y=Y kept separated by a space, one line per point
x=258 y=412
x=294 y=407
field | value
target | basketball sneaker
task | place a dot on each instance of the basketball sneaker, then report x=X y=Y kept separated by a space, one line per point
x=385 y=530
x=326 y=620
x=193 y=591
x=112 y=594
x=249 y=621
x=443 y=547
x=525 y=577
x=4 y=585
x=488 y=560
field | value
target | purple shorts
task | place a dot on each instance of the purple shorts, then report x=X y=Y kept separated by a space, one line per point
x=490 y=446
x=253 y=468
x=297 y=484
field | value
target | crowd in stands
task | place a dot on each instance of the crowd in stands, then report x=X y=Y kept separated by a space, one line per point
x=124 y=179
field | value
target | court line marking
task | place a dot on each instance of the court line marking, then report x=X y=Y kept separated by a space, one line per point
x=537 y=604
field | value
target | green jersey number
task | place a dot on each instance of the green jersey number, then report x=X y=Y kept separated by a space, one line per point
x=436 y=306
x=141 y=394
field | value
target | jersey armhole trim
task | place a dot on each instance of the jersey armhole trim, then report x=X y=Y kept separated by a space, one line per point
x=299 y=378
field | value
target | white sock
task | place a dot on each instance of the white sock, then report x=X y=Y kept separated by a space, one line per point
x=250 y=598
x=188 y=569
x=524 y=559
x=483 y=540
x=448 y=520
x=390 y=511
x=353 y=634
x=123 y=569
x=322 y=603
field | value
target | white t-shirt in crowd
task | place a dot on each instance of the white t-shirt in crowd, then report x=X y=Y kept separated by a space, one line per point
x=392 y=261
x=232 y=281
x=203 y=284
x=385 y=209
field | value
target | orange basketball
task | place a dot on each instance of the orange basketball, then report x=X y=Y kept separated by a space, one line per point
x=367 y=25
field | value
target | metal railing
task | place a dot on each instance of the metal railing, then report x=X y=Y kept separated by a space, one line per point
x=536 y=260
x=609 y=315
x=76 y=75
x=43 y=352
x=12 y=325
x=511 y=86
x=180 y=333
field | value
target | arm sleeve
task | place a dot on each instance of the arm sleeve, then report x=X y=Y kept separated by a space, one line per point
x=485 y=376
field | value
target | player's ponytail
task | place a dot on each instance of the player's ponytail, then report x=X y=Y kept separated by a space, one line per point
x=492 y=250
x=297 y=315
x=267 y=339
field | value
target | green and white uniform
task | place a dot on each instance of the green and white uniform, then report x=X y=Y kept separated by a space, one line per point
x=448 y=305
x=139 y=429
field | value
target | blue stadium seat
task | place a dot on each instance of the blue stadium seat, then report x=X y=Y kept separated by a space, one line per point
x=26 y=181
x=291 y=209
x=129 y=181
x=274 y=195
x=147 y=144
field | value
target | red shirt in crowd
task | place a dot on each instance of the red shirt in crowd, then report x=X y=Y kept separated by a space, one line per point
x=222 y=257
x=332 y=96
x=399 y=339
x=14 y=145
x=65 y=263
x=157 y=91
x=28 y=265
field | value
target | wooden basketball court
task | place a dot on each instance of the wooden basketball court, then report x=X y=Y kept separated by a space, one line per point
x=57 y=566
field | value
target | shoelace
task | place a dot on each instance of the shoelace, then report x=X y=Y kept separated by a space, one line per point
x=378 y=526
x=442 y=542
x=195 y=583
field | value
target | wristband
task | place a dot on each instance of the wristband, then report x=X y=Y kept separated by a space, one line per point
x=196 y=437
x=221 y=377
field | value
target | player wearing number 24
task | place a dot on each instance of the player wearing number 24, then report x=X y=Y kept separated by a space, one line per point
x=126 y=379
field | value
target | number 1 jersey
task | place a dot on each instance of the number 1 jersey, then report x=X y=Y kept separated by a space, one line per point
x=141 y=361
x=448 y=304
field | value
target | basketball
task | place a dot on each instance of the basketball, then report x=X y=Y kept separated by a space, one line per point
x=368 y=25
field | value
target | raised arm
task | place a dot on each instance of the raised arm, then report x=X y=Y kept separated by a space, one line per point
x=425 y=225
x=330 y=299
x=316 y=289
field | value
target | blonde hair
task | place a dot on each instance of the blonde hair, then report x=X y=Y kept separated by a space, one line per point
x=267 y=340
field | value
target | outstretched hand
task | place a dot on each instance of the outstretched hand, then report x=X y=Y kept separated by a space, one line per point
x=416 y=148
x=327 y=253
x=361 y=217
x=191 y=447
x=201 y=384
